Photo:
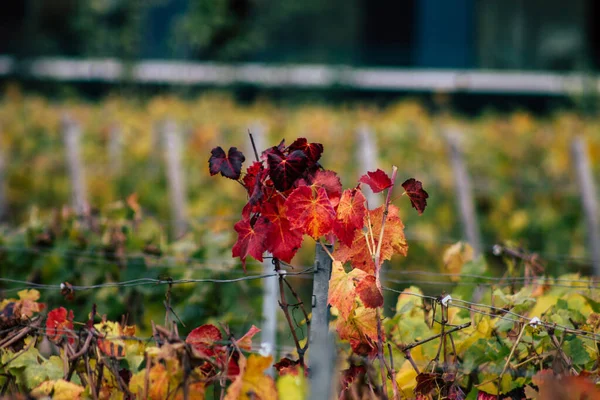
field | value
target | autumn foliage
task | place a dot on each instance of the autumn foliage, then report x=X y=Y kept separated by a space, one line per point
x=291 y=196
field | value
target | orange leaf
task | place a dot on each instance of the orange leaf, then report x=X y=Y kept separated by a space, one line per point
x=393 y=242
x=360 y=326
x=342 y=288
x=245 y=342
x=566 y=387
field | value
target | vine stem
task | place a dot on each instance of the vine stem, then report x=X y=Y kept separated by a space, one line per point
x=512 y=352
x=300 y=304
x=384 y=219
x=561 y=352
x=412 y=362
x=285 y=307
x=429 y=339
x=377 y=260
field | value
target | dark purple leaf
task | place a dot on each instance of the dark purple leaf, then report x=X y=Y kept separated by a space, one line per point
x=229 y=166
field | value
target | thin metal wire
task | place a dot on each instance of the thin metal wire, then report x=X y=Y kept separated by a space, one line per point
x=486 y=278
x=154 y=281
x=521 y=318
x=496 y=284
x=409 y=235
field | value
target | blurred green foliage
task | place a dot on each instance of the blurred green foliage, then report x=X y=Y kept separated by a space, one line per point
x=523 y=181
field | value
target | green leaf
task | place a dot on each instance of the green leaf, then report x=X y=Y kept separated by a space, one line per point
x=575 y=349
x=135 y=268
x=476 y=267
x=504 y=325
x=30 y=368
x=483 y=351
x=562 y=304
x=593 y=304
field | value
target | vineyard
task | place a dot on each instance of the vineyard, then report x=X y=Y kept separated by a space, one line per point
x=140 y=242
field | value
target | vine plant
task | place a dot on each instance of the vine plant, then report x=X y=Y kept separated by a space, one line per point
x=290 y=196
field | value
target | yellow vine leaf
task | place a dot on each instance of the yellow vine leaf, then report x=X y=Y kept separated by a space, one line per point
x=406 y=379
x=291 y=387
x=252 y=383
x=59 y=390
x=455 y=257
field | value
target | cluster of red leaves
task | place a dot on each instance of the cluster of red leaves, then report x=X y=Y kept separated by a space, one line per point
x=290 y=195
x=208 y=342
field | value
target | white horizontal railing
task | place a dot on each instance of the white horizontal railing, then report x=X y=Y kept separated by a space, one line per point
x=308 y=76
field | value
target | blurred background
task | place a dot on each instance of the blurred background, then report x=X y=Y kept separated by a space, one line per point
x=110 y=108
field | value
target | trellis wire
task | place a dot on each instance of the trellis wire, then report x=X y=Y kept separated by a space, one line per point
x=520 y=318
x=150 y=281
x=42 y=331
x=154 y=281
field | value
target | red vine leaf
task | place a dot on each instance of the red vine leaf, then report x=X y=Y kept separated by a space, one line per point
x=313 y=151
x=311 y=211
x=552 y=386
x=486 y=396
x=287 y=366
x=59 y=324
x=329 y=181
x=350 y=215
x=279 y=148
x=350 y=375
x=251 y=181
x=204 y=339
x=417 y=195
x=282 y=241
x=229 y=166
x=377 y=181
x=427 y=383
x=393 y=242
x=251 y=239
x=369 y=293
x=284 y=170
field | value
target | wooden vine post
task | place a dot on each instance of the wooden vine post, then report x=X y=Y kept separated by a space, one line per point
x=588 y=199
x=115 y=150
x=321 y=356
x=464 y=193
x=71 y=136
x=172 y=142
x=366 y=154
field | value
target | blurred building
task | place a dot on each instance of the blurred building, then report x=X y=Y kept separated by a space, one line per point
x=494 y=34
